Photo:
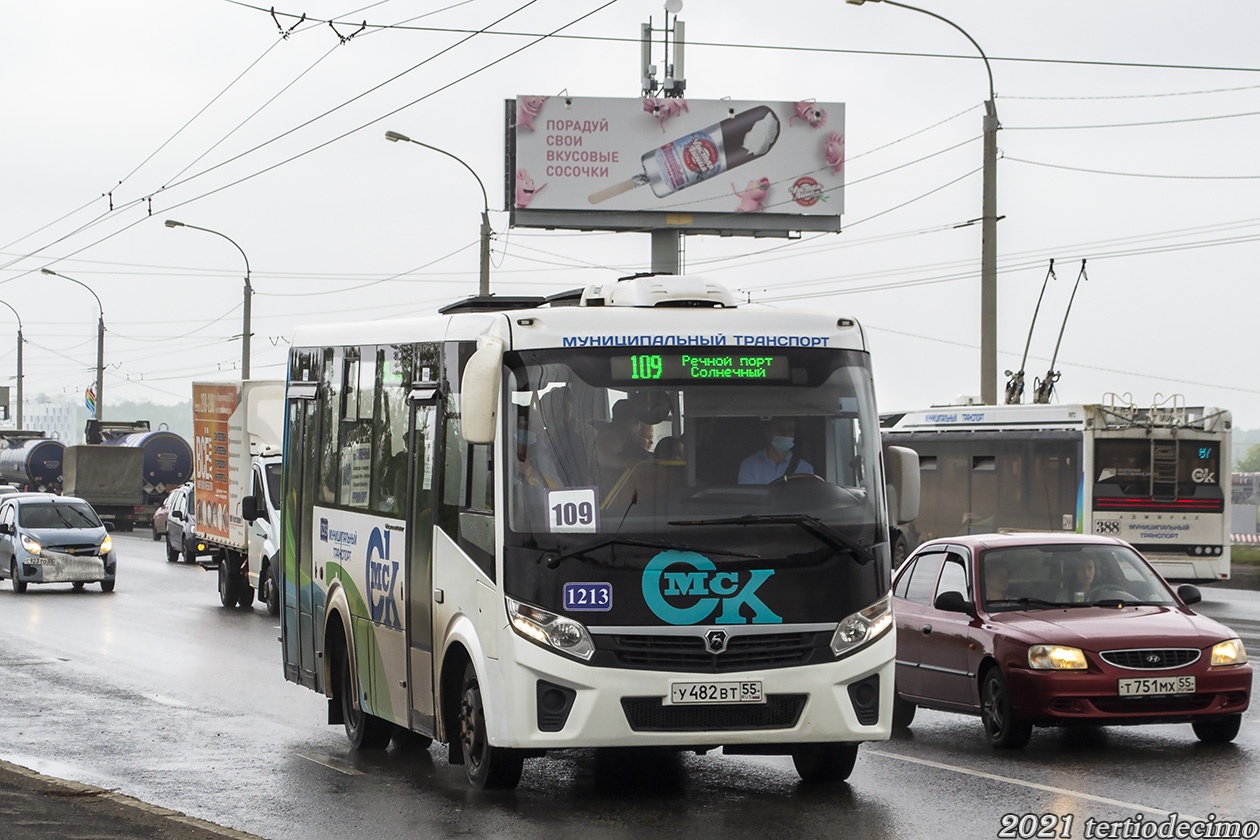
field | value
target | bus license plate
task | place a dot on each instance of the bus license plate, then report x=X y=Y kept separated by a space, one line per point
x=1146 y=686
x=700 y=693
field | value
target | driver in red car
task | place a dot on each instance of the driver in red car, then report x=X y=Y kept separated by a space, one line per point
x=776 y=459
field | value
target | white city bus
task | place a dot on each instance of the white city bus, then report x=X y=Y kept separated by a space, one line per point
x=1156 y=477
x=480 y=548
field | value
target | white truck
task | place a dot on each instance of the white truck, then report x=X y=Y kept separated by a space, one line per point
x=237 y=439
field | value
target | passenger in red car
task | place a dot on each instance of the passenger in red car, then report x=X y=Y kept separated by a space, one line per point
x=1079 y=579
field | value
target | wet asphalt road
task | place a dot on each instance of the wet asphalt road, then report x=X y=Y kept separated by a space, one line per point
x=158 y=692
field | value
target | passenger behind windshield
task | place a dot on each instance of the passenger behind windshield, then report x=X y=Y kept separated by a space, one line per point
x=621 y=443
x=777 y=458
x=1079 y=580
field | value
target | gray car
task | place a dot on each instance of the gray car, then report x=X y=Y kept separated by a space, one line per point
x=54 y=539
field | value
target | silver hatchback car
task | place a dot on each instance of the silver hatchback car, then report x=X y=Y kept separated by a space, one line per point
x=54 y=539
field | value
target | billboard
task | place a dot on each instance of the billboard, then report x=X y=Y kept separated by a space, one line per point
x=704 y=166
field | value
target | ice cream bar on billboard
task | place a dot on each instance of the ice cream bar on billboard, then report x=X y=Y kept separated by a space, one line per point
x=700 y=155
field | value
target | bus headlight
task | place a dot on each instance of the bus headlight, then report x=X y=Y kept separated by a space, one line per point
x=547 y=628
x=862 y=627
x=32 y=547
x=1056 y=658
x=1230 y=652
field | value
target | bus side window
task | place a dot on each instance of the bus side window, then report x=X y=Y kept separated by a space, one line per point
x=389 y=462
x=330 y=453
x=359 y=383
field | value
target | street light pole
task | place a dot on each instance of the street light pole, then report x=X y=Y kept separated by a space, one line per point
x=19 y=362
x=484 y=285
x=100 y=341
x=249 y=293
x=989 y=219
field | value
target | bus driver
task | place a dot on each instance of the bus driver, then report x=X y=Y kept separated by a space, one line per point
x=775 y=459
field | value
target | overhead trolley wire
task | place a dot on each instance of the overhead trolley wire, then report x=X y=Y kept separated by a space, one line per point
x=783 y=48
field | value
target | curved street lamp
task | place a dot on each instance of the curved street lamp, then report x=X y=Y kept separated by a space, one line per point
x=249 y=292
x=19 y=362
x=484 y=284
x=100 y=341
x=988 y=221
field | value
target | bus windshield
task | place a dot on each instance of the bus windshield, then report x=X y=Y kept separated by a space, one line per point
x=617 y=443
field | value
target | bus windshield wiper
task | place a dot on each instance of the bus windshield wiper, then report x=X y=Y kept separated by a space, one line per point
x=813 y=525
x=553 y=559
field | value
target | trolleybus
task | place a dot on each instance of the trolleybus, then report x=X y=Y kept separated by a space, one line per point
x=1156 y=477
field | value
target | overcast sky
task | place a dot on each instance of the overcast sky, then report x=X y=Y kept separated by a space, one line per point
x=1129 y=139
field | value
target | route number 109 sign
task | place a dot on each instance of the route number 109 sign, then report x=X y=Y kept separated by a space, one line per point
x=572 y=511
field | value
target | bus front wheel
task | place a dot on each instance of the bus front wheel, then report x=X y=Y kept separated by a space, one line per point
x=487 y=767
x=816 y=763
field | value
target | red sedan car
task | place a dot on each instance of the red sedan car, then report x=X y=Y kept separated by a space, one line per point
x=1057 y=629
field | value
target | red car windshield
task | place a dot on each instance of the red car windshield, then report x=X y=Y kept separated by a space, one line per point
x=1057 y=575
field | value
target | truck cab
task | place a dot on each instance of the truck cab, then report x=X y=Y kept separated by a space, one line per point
x=262 y=510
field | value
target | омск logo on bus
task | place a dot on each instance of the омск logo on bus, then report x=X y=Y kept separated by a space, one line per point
x=683 y=587
x=382 y=576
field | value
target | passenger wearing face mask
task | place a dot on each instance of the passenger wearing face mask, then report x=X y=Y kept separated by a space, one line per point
x=775 y=459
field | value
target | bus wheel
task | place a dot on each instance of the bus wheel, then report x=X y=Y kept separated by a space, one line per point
x=364 y=731
x=824 y=762
x=487 y=767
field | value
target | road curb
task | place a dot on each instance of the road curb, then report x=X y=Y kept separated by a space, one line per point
x=51 y=790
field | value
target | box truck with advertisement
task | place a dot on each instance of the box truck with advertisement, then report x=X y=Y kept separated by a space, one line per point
x=237 y=440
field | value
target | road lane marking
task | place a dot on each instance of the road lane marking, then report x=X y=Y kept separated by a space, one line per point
x=1104 y=800
x=331 y=763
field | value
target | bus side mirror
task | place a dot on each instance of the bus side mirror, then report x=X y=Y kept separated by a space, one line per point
x=479 y=394
x=902 y=465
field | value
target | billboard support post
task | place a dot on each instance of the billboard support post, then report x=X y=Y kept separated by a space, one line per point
x=665 y=247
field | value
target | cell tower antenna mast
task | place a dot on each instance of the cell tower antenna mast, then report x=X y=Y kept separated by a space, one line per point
x=674 y=81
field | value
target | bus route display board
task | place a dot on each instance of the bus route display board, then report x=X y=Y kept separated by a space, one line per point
x=691 y=367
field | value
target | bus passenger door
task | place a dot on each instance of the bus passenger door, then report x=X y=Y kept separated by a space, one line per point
x=298 y=621
x=419 y=592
